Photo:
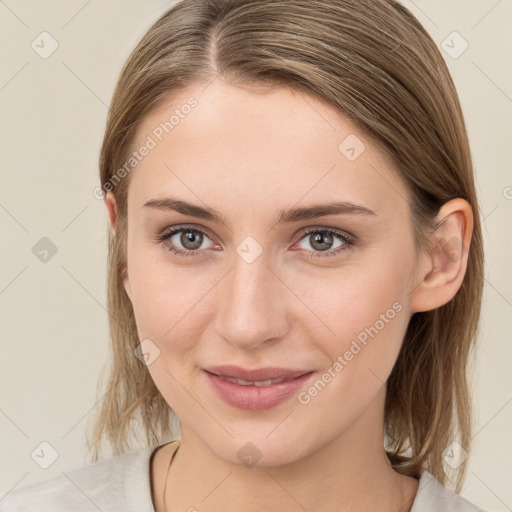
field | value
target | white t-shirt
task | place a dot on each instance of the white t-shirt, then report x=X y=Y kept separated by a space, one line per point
x=122 y=484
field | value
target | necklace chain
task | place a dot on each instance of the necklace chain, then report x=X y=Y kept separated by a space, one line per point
x=167 y=476
x=176 y=451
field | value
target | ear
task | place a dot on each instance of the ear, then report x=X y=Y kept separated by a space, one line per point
x=113 y=215
x=111 y=205
x=444 y=268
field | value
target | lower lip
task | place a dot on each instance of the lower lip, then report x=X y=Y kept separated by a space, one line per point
x=256 y=398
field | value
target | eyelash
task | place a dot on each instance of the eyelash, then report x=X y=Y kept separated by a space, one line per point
x=348 y=241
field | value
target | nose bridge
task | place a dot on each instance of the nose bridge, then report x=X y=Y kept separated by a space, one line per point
x=251 y=307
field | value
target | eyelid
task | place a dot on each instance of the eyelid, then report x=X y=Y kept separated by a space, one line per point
x=303 y=231
x=183 y=227
x=339 y=232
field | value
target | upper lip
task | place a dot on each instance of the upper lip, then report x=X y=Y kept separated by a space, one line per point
x=256 y=374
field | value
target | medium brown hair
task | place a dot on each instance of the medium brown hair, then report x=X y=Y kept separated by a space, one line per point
x=376 y=64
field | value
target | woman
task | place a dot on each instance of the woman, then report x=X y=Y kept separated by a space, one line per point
x=295 y=268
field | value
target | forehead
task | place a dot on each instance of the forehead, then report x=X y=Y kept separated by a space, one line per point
x=250 y=147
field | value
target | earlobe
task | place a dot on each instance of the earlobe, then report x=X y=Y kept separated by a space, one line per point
x=126 y=283
x=442 y=275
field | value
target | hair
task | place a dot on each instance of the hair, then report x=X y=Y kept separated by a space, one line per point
x=374 y=62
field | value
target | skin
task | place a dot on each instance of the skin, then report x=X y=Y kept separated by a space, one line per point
x=247 y=154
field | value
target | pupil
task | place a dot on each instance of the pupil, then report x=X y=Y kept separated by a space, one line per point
x=190 y=239
x=317 y=241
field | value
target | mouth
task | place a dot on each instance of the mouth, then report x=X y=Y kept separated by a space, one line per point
x=257 y=376
x=259 y=393
x=260 y=383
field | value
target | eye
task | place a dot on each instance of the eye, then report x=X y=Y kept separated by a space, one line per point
x=190 y=239
x=323 y=241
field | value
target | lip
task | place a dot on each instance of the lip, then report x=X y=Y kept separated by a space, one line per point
x=258 y=398
x=257 y=374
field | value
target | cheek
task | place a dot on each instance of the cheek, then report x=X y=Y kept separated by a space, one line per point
x=169 y=304
x=368 y=313
x=360 y=311
x=165 y=297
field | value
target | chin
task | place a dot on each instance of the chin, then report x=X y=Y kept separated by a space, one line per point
x=258 y=451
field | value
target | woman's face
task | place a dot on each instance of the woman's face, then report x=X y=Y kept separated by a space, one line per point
x=270 y=286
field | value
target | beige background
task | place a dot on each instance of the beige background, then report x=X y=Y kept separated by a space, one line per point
x=53 y=320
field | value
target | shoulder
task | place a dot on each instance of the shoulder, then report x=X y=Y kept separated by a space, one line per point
x=432 y=496
x=118 y=483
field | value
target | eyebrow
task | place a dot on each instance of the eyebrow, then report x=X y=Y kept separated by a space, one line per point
x=284 y=216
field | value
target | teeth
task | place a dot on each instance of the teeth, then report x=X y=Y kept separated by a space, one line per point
x=256 y=383
x=268 y=382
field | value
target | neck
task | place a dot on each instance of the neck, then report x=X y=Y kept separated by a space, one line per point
x=350 y=473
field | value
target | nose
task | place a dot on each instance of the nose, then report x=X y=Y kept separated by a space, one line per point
x=252 y=304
